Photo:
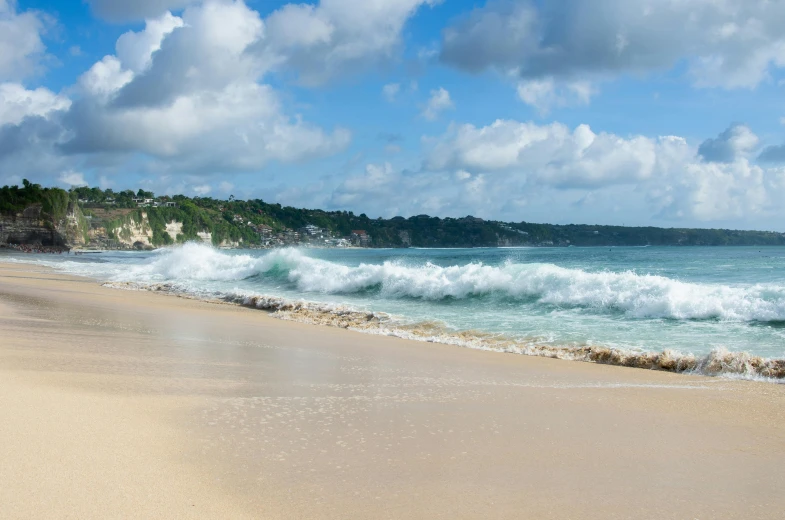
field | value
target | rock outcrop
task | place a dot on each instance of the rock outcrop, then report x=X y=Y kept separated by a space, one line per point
x=133 y=232
x=32 y=227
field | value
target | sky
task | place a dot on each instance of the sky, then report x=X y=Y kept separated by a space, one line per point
x=636 y=112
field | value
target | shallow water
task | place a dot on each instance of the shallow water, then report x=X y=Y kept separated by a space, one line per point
x=692 y=300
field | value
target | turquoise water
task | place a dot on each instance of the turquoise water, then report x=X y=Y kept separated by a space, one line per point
x=691 y=299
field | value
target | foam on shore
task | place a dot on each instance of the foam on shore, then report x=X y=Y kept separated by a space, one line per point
x=719 y=362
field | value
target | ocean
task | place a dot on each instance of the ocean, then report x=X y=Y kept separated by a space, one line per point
x=713 y=310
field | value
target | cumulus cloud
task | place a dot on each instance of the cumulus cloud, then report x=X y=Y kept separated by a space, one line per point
x=135 y=49
x=29 y=148
x=323 y=41
x=731 y=144
x=545 y=94
x=17 y=103
x=72 y=178
x=105 y=78
x=205 y=51
x=552 y=154
x=21 y=47
x=721 y=191
x=186 y=91
x=378 y=180
x=184 y=94
x=725 y=43
x=715 y=181
x=202 y=189
x=313 y=42
x=438 y=102
x=30 y=130
x=384 y=190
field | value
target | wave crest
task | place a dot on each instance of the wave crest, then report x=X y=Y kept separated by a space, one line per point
x=634 y=295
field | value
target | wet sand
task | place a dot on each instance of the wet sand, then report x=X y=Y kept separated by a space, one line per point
x=123 y=404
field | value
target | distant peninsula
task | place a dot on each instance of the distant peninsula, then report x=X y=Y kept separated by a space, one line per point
x=83 y=217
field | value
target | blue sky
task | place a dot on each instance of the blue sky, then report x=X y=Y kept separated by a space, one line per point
x=612 y=112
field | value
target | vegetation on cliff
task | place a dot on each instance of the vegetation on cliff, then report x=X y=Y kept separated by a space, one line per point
x=41 y=216
x=228 y=221
x=54 y=201
x=239 y=221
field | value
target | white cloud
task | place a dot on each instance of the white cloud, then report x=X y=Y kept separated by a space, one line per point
x=525 y=159
x=386 y=191
x=30 y=132
x=185 y=91
x=185 y=95
x=105 y=78
x=323 y=41
x=545 y=94
x=21 y=47
x=390 y=91
x=721 y=191
x=72 y=178
x=378 y=180
x=551 y=173
x=29 y=148
x=552 y=154
x=17 y=103
x=383 y=190
x=735 y=142
x=135 y=49
x=202 y=189
x=725 y=43
x=210 y=51
x=437 y=103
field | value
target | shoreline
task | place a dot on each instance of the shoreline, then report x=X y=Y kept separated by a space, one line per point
x=125 y=404
x=719 y=362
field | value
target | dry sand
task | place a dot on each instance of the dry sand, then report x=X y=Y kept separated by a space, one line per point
x=121 y=404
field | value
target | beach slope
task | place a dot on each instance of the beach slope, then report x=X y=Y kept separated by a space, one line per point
x=126 y=404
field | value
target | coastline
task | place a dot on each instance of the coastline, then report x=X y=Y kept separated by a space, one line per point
x=719 y=362
x=126 y=404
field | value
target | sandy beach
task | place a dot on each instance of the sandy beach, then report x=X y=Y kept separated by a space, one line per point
x=127 y=404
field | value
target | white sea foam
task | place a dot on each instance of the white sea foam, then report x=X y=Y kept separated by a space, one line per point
x=718 y=362
x=635 y=295
x=203 y=272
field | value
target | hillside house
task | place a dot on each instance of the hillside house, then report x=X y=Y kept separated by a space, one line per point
x=360 y=238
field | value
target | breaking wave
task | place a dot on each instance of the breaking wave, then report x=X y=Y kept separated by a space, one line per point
x=631 y=294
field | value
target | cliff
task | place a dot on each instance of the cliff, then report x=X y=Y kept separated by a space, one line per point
x=34 y=227
x=151 y=227
x=47 y=216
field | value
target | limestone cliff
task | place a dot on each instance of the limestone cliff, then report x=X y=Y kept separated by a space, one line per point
x=32 y=226
x=134 y=230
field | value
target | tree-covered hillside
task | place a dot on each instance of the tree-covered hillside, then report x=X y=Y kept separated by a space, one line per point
x=248 y=222
x=53 y=201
